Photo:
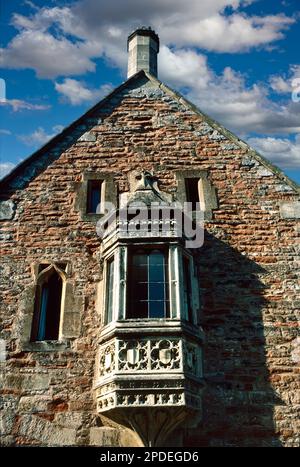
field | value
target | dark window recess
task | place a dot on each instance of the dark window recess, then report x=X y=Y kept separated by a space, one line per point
x=148 y=285
x=109 y=290
x=42 y=267
x=192 y=191
x=46 y=317
x=187 y=289
x=94 y=196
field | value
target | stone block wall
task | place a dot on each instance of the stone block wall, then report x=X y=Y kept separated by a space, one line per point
x=249 y=277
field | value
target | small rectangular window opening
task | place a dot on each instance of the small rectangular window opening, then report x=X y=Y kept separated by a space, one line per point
x=192 y=191
x=94 y=196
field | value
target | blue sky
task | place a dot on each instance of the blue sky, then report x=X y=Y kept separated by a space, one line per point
x=236 y=59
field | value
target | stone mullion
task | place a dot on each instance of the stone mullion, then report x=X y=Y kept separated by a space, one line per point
x=122 y=267
x=173 y=280
x=182 y=312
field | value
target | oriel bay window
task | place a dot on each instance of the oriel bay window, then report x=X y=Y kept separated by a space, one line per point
x=148 y=282
x=149 y=359
x=148 y=288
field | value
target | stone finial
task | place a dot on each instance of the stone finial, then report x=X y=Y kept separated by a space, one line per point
x=143 y=47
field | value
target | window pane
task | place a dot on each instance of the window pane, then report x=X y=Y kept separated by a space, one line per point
x=156 y=309
x=94 y=196
x=46 y=318
x=43 y=313
x=192 y=191
x=156 y=257
x=140 y=259
x=139 y=309
x=53 y=307
x=157 y=273
x=110 y=291
x=147 y=285
x=157 y=291
x=141 y=291
x=140 y=268
x=156 y=266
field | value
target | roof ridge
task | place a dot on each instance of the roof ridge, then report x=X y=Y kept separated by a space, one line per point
x=227 y=133
x=175 y=94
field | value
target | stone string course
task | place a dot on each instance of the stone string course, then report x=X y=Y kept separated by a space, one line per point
x=248 y=274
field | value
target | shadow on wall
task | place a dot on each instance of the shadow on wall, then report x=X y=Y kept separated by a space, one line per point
x=238 y=401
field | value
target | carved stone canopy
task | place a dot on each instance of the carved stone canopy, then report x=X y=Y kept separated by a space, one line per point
x=144 y=189
x=146 y=181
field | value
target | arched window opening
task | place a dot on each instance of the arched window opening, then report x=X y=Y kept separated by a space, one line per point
x=47 y=311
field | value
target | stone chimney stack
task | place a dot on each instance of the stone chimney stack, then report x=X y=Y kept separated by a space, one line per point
x=143 y=47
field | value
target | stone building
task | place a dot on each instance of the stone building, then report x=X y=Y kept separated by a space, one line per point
x=118 y=332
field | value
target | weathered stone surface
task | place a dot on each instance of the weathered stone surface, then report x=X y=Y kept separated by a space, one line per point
x=290 y=210
x=47 y=433
x=33 y=404
x=247 y=270
x=104 y=436
x=7 y=210
x=69 y=419
x=7 y=418
x=27 y=383
x=262 y=172
x=88 y=137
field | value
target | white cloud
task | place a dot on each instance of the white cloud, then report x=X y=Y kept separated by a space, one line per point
x=62 y=41
x=280 y=85
x=226 y=97
x=4 y=132
x=281 y=151
x=39 y=137
x=48 y=55
x=283 y=84
x=191 y=23
x=30 y=4
x=184 y=67
x=77 y=93
x=17 y=105
x=234 y=33
x=2 y=90
x=5 y=168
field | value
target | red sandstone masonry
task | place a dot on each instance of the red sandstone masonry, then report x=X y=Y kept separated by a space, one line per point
x=250 y=318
